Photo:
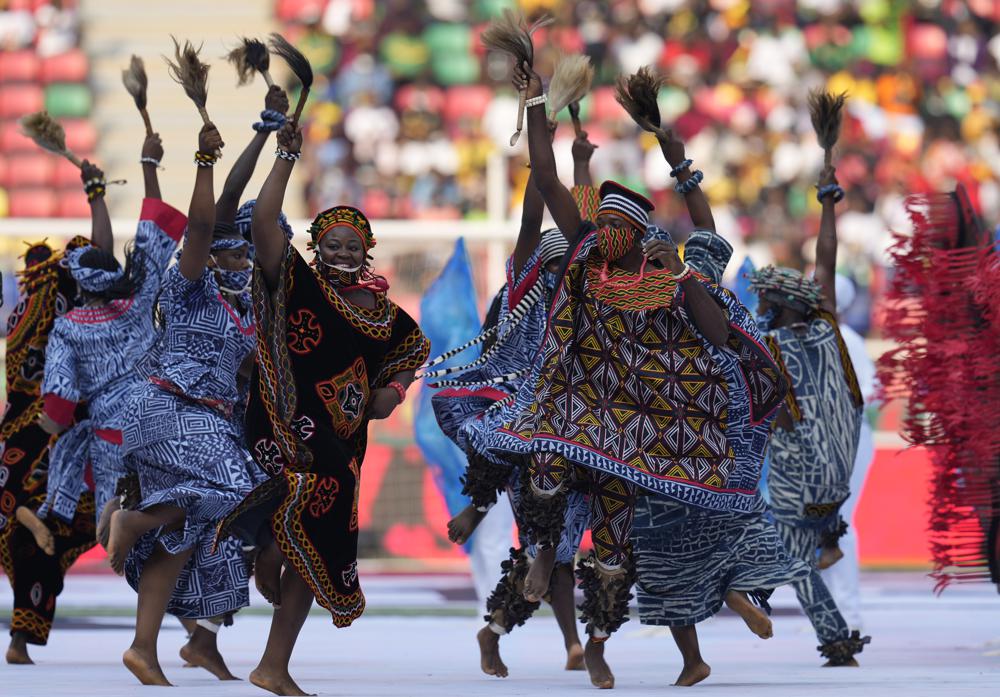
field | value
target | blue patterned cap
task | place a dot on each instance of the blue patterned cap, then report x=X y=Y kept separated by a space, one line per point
x=90 y=279
x=245 y=214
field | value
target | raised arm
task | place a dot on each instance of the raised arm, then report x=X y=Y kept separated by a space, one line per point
x=275 y=102
x=201 y=214
x=697 y=203
x=583 y=150
x=94 y=184
x=826 y=243
x=557 y=197
x=268 y=238
x=152 y=154
x=531 y=220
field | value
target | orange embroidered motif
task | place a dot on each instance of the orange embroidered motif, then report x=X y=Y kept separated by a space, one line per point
x=345 y=396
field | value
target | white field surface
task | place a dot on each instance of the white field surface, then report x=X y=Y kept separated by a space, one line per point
x=418 y=639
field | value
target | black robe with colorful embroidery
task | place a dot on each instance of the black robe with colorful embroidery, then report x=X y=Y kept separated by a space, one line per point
x=319 y=357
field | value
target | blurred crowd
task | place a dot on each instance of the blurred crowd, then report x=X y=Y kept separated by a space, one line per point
x=412 y=118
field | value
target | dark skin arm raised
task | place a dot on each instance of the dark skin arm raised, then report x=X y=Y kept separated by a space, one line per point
x=101 y=235
x=152 y=147
x=697 y=203
x=243 y=168
x=826 y=245
x=201 y=213
x=583 y=150
x=557 y=197
x=268 y=238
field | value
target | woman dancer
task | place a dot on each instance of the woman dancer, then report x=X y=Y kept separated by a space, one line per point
x=35 y=553
x=93 y=349
x=625 y=386
x=332 y=352
x=474 y=406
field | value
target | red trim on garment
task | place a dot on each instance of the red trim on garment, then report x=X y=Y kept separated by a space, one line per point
x=484 y=392
x=517 y=292
x=111 y=435
x=166 y=217
x=245 y=331
x=103 y=313
x=58 y=409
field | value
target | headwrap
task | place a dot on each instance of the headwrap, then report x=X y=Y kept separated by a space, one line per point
x=222 y=243
x=708 y=253
x=345 y=216
x=244 y=216
x=787 y=287
x=625 y=203
x=552 y=245
x=90 y=279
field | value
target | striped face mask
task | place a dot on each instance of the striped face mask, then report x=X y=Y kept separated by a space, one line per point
x=615 y=242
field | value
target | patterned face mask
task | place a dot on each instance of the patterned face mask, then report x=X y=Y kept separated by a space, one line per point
x=234 y=282
x=338 y=275
x=615 y=242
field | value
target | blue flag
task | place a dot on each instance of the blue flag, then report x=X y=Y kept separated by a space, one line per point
x=741 y=287
x=449 y=316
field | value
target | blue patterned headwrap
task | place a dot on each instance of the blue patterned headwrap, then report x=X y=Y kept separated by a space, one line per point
x=245 y=214
x=91 y=280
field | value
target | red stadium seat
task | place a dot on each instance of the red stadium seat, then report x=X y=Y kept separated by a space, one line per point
x=467 y=101
x=71 y=66
x=32 y=202
x=11 y=139
x=66 y=174
x=604 y=107
x=19 y=66
x=4 y=170
x=30 y=169
x=81 y=136
x=18 y=100
x=72 y=203
x=295 y=10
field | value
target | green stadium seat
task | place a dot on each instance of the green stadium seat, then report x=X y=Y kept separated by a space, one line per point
x=67 y=100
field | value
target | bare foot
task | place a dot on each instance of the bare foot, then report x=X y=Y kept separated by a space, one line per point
x=574 y=657
x=104 y=523
x=693 y=675
x=124 y=533
x=600 y=673
x=536 y=583
x=278 y=683
x=267 y=573
x=144 y=667
x=756 y=619
x=489 y=653
x=828 y=556
x=38 y=529
x=461 y=527
x=17 y=652
x=202 y=651
x=851 y=663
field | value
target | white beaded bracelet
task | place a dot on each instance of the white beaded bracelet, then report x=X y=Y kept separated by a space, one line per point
x=536 y=101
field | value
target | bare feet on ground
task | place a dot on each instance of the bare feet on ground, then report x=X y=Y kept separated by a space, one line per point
x=17 y=652
x=461 y=527
x=38 y=529
x=267 y=574
x=280 y=683
x=489 y=653
x=574 y=657
x=536 y=583
x=692 y=675
x=756 y=619
x=828 y=556
x=144 y=667
x=104 y=523
x=202 y=652
x=600 y=673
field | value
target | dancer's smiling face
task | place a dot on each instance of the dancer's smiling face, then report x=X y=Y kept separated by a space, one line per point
x=341 y=247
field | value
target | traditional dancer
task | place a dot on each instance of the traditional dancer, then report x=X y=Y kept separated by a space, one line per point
x=481 y=399
x=689 y=562
x=93 y=349
x=816 y=438
x=332 y=352
x=36 y=553
x=626 y=351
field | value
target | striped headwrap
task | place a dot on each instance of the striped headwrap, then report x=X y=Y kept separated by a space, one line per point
x=625 y=203
x=345 y=216
x=787 y=287
x=552 y=245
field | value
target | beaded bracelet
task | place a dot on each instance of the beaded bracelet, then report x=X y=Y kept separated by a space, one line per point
x=684 y=275
x=95 y=188
x=687 y=186
x=150 y=161
x=285 y=155
x=400 y=390
x=536 y=101
x=680 y=168
x=205 y=159
x=271 y=120
x=830 y=189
